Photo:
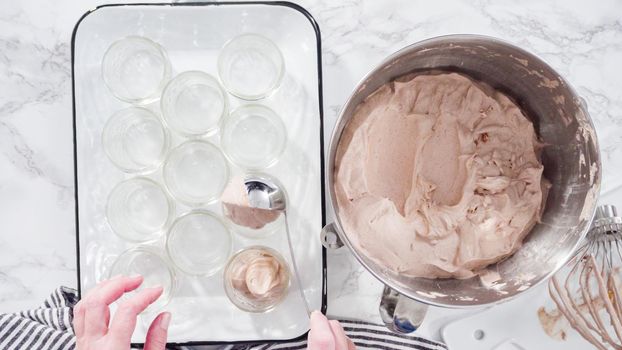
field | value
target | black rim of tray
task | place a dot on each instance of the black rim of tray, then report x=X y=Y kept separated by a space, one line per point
x=316 y=28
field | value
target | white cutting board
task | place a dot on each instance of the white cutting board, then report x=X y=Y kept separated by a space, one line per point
x=510 y=326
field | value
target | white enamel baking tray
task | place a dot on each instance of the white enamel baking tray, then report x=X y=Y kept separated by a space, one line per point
x=193 y=34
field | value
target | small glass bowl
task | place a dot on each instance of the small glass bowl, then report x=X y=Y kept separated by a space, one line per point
x=270 y=228
x=199 y=243
x=196 y=172
x=136 y=69
x=240 y=279
x=250 y=66
x=135 y=140
x=253 y=137
x=153 y=266
x=250 y=222
x=193 y=104
x=139 y=210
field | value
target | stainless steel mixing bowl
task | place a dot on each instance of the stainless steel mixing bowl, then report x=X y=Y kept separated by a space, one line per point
x=570 y=157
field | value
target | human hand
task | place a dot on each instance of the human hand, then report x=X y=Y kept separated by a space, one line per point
x=91 y=316
x=327 y=335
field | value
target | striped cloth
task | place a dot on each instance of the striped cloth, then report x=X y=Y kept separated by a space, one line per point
x=49 y=327
x=365 y=336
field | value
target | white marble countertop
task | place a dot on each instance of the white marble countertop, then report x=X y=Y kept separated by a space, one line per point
x=581 y=40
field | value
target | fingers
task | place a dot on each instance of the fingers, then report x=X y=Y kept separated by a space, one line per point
x=79 y=311
x=95 y=306
x=327 y=335
x=124 y=320
x=78 y=319
x=320 y=336
x=341 y=339
x=96 y=319
x=109 y=291
x=157 y=333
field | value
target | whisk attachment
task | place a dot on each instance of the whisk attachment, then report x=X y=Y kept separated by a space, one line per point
x=587 y=291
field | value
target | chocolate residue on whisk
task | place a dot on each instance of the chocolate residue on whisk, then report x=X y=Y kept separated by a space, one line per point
x=556 y=325
x=553 y=323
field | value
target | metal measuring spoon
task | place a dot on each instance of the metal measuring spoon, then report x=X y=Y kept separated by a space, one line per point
x=265 y=192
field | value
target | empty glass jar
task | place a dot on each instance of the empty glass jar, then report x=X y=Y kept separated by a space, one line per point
x=196 y=172
x=139 y=210
x=253 y=136
x=193 y=104
x=250 y=66
x=136 y=69
x=135 y=140
x=199 y=243
x=153 y=266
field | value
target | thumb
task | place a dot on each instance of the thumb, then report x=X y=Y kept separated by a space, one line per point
x=156 y=335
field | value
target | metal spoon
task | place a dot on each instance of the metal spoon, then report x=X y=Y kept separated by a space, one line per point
x=265 y=192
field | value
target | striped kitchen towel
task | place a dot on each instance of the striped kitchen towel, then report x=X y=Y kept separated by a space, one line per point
x=49 y=327
x=365 y=335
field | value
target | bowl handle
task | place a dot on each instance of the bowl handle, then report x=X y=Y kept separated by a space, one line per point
x=400 y=313
x=330 y=238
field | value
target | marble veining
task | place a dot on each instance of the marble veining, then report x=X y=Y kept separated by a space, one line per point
x=581 y=40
